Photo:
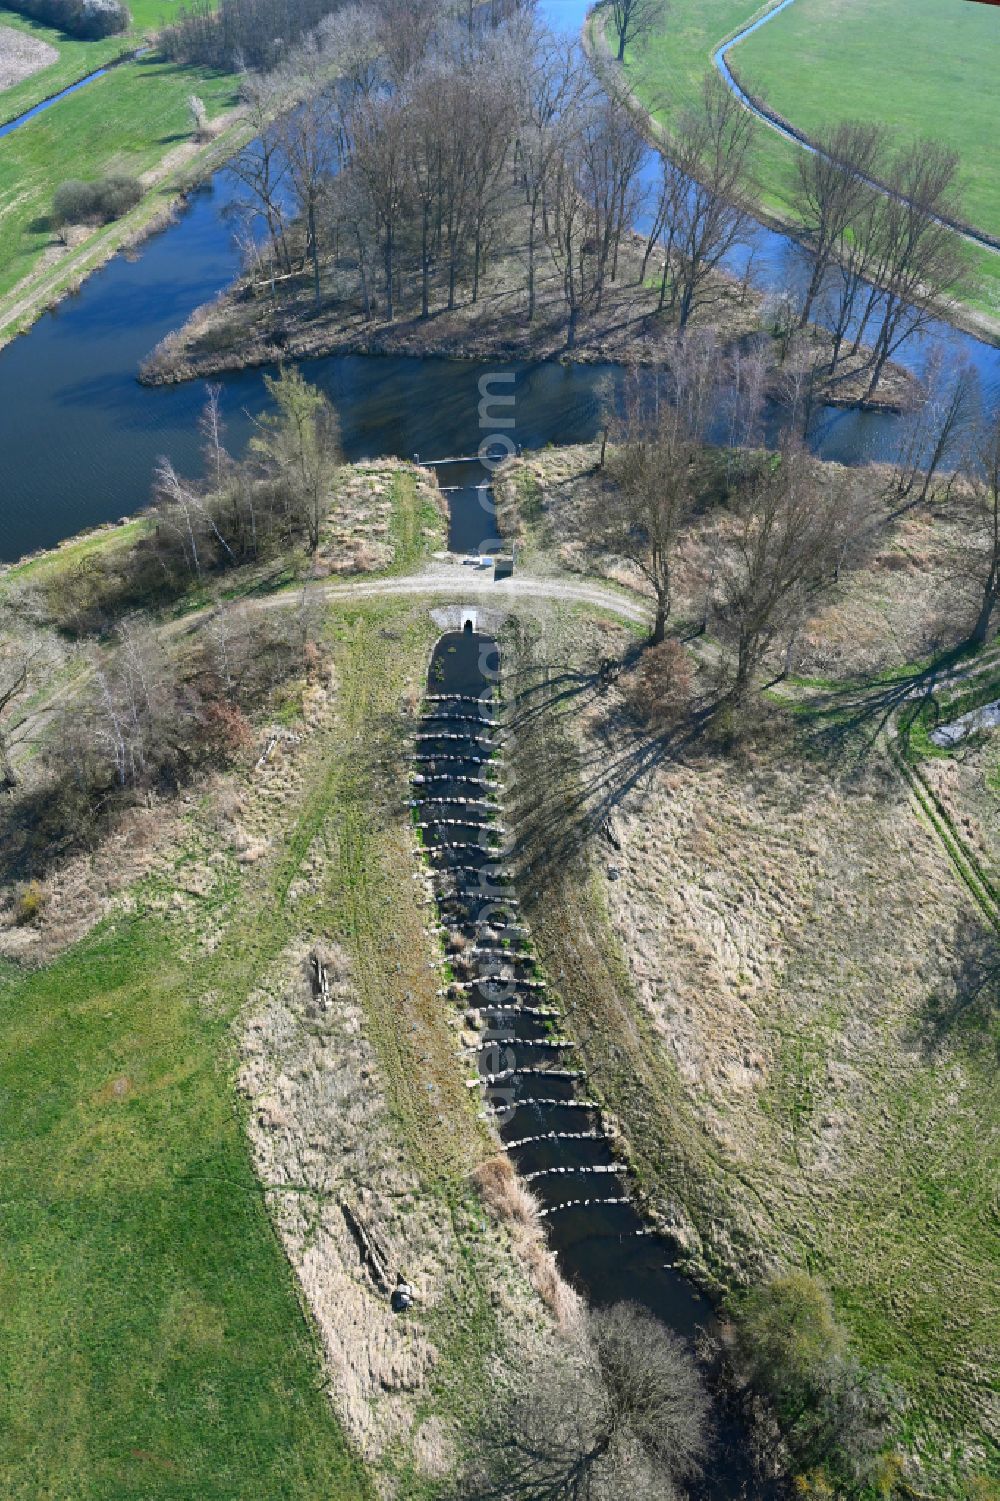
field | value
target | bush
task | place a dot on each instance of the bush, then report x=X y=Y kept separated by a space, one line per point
x=29 y=904
x=100 y=18
x=89 y=19
x=98 y=202
x=836 y=1416
x=659 y=690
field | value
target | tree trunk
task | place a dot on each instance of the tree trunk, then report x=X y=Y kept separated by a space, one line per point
x=314 y=250
x=531 y=269
x=475 y=267
x=811 y=291
x=366 y=301
x=8 y=777
x=991 y=595
x=425 y=269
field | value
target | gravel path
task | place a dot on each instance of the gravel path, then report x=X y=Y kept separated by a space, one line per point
x=464 y=584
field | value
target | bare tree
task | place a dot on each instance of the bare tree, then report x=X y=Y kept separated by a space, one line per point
x=262 y=167
x=309 y=148
x=379 y=166
x=349 y=41
x=935 y=433
x=567 y=224
x=553 y=87
x=712 y=148
x=831 y=184
x=665 y=222
x=26 y=655
x=213 y=433
x=850 y=294
x=746 y=394
x=635 y=19
x=427 y=123
x=491 y=120
x=179 y=510
x=655 y=474
x=623 y=1409
x=785 y=552
x=591 y=194
x=403 y=34
x=612 y=154
x=918 y=256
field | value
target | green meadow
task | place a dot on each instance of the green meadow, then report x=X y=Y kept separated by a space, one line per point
x=819 y=61
x=927 y=70
x=125 y=122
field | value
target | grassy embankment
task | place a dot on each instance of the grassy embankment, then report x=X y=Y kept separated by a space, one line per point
x=76 y=58
x=129 y=121
x=816 y=65
x=134 y=120
x=388 y=518
x=153 y=1337
x=776 y=1086
x=771 y=996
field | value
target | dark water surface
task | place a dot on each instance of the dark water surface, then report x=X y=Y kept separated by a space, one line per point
x=604 y=1247
x=79 y=436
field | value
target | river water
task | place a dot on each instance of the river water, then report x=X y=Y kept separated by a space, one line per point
x=79 y=436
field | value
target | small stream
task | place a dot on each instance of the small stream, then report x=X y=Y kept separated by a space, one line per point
x=524 y=1067
x=44 y=104
x=720 y=62
x=72 y=88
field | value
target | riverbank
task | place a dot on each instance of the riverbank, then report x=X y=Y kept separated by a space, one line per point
x=248 y=326
x=60 y=268
x=201 y=1046
x=761 y=948
x=974 y=315
x=770 y=939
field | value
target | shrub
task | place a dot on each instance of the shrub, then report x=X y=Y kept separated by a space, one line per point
x=659 y=690
x=100 y=18
x=29 y=904
x=89 y=19
x=72 y=202
x=98 y=202
x=836 y=1415
x=200 y=123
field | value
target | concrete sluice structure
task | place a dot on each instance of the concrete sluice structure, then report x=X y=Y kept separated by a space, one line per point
x=527 y=1072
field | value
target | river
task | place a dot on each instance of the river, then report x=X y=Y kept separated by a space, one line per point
x=79 y=436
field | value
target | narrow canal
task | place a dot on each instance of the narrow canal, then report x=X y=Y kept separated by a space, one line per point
x=523 y=1065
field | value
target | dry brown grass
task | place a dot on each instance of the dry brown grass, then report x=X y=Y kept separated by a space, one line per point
x=901 y=597
x=755 y=991
x=504 y=1194
x=322 y=1138
x=514 y=1205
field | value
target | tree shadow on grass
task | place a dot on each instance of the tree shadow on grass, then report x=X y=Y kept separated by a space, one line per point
x=844 y=723
x=966 y=1010
x=572 y=795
